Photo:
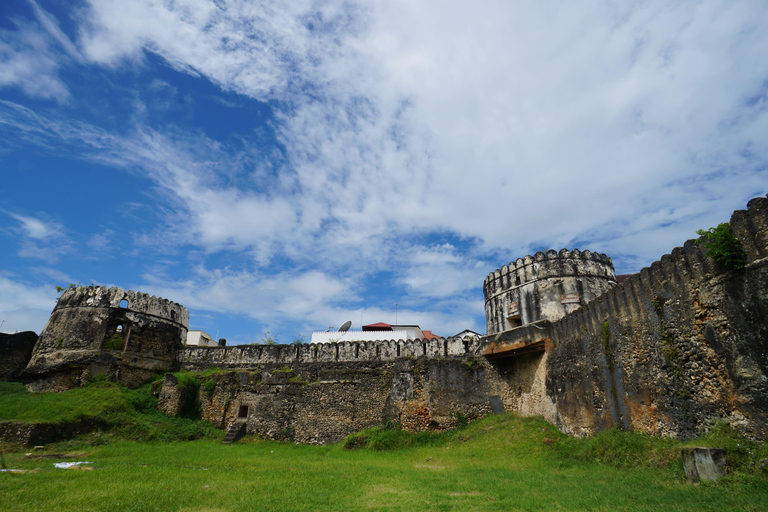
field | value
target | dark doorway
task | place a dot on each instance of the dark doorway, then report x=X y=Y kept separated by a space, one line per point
x=242 y=412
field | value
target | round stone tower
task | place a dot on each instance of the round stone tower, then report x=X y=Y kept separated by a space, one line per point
x=97 y=330
x=544 y=287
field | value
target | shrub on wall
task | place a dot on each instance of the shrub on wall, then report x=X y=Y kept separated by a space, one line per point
x=722 y=246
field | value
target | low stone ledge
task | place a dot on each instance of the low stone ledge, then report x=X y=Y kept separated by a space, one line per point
x=25 y=433
x=703 y=464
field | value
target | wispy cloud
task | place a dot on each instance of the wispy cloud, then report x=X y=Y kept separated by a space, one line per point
x=39 y=238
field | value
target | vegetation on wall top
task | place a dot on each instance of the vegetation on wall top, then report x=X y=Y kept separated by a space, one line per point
x=722 y=246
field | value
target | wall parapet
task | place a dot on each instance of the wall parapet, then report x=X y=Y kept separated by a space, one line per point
x=675 y=346
x=138 y=302
x=546 y=265
x=663 y=277
x=243 y=356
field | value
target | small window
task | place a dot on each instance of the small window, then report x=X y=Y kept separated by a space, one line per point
x=124 y=304
x=242 y=412
x=119 y=329
x=514 y=321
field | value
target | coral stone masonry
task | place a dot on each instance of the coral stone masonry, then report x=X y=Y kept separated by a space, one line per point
x=670 y=350
x=545 y=286
x=95 y=330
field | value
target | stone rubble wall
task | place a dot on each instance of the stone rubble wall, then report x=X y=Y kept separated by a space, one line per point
x=676 y=347
x=26 y=433
x=15 y=353
x=323 y=402
x=78 y=339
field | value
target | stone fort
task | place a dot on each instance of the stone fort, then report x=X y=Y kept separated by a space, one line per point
x=669 y=351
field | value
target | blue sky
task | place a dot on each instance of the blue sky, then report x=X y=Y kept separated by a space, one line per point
x=287 y=166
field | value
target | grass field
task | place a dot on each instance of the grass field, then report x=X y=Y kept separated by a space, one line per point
x=498 y=463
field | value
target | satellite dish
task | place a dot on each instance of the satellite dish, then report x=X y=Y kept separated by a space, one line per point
x=346 y=326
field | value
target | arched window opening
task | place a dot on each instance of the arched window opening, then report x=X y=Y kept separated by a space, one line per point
x=116 y=337
x=124 y=304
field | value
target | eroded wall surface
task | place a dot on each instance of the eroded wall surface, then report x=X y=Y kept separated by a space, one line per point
x=95 y=330
x=545 y=286
x=322 y=402
x=15 y=353
x=676 y=347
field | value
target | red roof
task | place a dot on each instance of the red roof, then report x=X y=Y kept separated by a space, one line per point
x=429 y=336
x=379 y=326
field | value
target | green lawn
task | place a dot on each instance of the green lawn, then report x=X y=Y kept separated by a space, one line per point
x=499 y=463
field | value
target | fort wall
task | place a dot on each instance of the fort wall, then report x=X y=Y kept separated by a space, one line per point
x=15 y=353
x=671 y=350
x=249 y=356
x=319 y=402
x=96 y=330
x=676 y=347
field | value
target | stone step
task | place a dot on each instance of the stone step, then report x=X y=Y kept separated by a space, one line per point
x=234 y=432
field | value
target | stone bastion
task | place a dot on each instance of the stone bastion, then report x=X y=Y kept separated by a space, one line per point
x=545 y=286
x=95 y=330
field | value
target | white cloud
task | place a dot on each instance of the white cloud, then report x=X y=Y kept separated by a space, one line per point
x=440 y=272
x=38 y=229
x=24 y=307
x=31 y=56
x=39 y=238
x=26 y=61
x=512 y=125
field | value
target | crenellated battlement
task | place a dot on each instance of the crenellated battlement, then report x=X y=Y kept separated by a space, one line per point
x=247 y=356
x=671 y=349
x=551 y=264
x=544 y=286
x=105 y=330
x=136 y=302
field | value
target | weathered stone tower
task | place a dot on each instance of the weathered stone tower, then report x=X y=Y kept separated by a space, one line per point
x=95 y=330
x=544 y=287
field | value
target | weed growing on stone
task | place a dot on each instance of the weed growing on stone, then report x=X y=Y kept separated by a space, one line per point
x=391 y=437
x=722 y=246
x=188 y=385
x=471 y=363
x=210 y=386
x=606 y=338
x=115 y=342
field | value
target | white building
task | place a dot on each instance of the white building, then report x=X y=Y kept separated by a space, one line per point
x=467 y=334
x=374 y=332
x=200 y=339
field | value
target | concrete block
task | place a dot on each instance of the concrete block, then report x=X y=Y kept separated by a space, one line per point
x=703 y=464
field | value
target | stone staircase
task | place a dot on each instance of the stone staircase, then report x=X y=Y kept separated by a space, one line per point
x=235 y=431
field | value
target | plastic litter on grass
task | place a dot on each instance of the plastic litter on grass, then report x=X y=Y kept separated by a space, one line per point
x=67 y=465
